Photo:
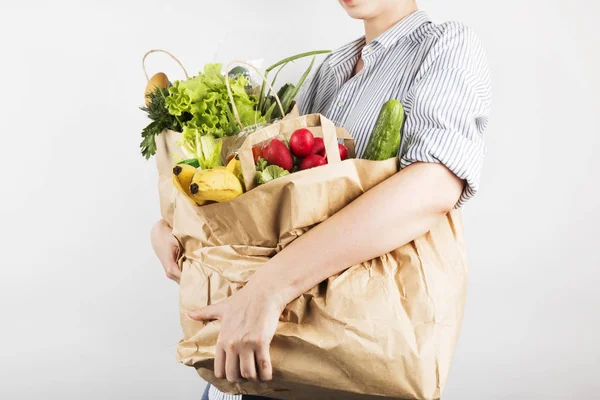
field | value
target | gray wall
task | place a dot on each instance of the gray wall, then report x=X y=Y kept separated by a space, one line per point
x=86 y=310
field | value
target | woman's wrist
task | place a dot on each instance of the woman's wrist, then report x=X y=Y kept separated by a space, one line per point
x=269 y=283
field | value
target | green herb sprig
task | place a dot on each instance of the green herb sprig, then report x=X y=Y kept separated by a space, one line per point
x=161 y=120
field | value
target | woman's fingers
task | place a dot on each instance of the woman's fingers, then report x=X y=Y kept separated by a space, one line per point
x=167 y=249
x=241 y=360
x=247 y=328
x=232 y=365
x=248 y=365
x=219 y=362
x=208 y=313
x=263 y=362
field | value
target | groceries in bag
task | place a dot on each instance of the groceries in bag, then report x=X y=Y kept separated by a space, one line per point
x=401 y=311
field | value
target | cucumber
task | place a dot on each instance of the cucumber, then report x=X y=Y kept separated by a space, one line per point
x=385 y=139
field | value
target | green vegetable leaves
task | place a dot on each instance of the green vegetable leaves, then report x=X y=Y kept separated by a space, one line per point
x=270 y=173
x=200 y=106
x=148 y=145
x=261 y=164
x=179 y=100
x=266 y=173
x=161 y=120
x=210 y=152
x=204 y=148
x=205 y=97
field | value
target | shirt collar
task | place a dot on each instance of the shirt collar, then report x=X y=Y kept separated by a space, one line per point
x=347 y=52
x=401 y=29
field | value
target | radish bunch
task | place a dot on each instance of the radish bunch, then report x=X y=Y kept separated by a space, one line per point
x=306 y=150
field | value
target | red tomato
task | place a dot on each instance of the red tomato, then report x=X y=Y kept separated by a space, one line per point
x=257 y=152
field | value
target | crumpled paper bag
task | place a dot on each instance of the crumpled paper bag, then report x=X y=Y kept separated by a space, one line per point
x=387 y=327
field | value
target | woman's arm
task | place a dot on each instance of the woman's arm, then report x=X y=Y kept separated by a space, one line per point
x=166 y=248
x=388 y=216
x=449 y=107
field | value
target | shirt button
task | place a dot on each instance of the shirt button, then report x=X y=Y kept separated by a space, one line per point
x=340 y=104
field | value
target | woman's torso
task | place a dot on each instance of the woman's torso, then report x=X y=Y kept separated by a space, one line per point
x=413 y=52
x=393 y=63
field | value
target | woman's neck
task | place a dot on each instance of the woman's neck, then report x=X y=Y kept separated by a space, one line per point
x=377 y=25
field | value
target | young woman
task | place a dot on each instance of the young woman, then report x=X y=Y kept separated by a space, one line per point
x=439 y=74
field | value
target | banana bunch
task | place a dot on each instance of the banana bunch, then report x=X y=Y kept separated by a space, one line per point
x=218 y=184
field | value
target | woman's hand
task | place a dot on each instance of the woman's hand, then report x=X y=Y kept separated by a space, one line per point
x=249 y=319
x=166 y=248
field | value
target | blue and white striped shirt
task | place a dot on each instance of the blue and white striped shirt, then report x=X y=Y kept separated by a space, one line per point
x=440 y=75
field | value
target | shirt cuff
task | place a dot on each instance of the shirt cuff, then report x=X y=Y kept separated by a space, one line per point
x=461 y=155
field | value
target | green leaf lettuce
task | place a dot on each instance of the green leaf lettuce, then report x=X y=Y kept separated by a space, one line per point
x=205 y=97
x=270 y=173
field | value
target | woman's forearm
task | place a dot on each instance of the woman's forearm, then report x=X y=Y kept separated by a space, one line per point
x=386 y=217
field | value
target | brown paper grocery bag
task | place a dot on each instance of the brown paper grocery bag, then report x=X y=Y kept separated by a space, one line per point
x=387 y=327
x=166 y=146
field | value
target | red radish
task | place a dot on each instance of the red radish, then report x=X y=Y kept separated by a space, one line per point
x=312 y=161
x=319 y=147
x=302 y=142
x=343 y=151
x=277 y=153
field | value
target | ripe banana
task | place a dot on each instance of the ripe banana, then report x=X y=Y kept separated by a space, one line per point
x=234 y=166
x=182 y=179
x=217 y=184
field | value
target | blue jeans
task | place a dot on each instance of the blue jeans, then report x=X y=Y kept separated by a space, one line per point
x=244 y=397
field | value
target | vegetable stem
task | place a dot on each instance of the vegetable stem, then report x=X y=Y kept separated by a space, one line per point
x=293 y=91
x=272 y=84
x=283 y=62
x=296 y=57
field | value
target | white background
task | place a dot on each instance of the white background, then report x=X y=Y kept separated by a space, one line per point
x=85 y=309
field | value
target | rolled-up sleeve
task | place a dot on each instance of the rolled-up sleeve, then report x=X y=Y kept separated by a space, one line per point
x=448 y=109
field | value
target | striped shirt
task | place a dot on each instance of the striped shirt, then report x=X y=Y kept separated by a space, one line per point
x=215 y=394
x=440 y=75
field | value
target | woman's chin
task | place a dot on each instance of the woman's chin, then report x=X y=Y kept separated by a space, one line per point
x=356 y=15
x=357 y=11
